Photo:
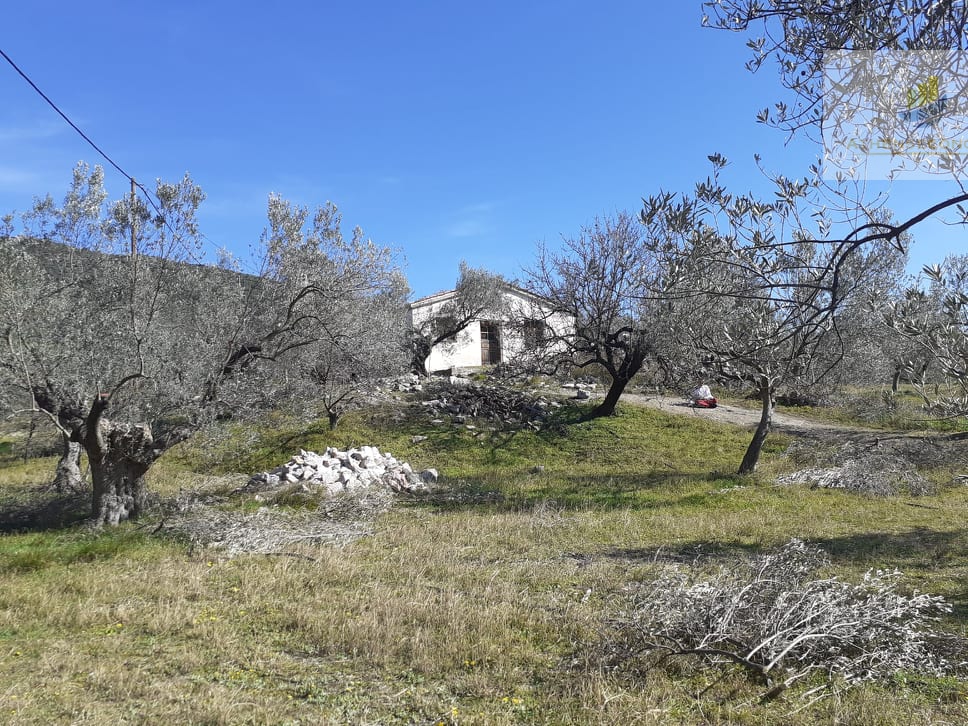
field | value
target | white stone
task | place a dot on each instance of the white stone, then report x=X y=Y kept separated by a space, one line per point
x=326 y=476
x=333 y=487
x=350 y=470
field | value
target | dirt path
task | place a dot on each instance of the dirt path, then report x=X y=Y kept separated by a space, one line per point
x=728 y=414
x=922 y=450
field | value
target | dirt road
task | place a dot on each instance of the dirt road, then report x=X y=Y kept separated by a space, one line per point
x=725 y=413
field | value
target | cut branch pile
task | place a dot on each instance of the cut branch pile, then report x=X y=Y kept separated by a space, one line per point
x=197 y=516
x=864 y=469
x=779 y=619
x=270 y=530
x=461 y=398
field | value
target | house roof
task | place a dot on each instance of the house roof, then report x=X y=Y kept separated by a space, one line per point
x=432 y=298
x=447 y=294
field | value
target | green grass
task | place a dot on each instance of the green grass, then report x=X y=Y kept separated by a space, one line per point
x=483 y=604
x=877 y=408
x=38 y=551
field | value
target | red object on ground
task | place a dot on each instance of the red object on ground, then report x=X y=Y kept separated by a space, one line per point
x=706 y=403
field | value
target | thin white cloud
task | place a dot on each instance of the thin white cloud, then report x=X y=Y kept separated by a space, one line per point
x=17 y=179
x=466 y=228
x=478 y=208
x=471 y=220
x=20 y=134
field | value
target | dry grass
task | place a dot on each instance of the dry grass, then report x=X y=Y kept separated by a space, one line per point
x=478 y=606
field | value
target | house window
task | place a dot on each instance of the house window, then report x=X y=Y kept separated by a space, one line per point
x=534 y=334
x=490 y=343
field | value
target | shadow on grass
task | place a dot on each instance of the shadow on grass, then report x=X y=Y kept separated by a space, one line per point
x=917 y=550
x=918 y=547
x=44 y=510
x=579 y=492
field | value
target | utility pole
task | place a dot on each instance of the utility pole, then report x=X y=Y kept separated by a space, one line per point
x=134 y=252
x=134 y=239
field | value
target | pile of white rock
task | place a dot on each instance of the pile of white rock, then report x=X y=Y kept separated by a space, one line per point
x=404 y=384
x=338 y=472
x=582 y=388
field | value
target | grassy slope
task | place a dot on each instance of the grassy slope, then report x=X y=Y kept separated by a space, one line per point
x=482 y=606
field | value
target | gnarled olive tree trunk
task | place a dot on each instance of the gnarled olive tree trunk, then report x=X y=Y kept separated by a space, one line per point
x=119 y=461
x=607 y=406
x=419 y=353
x=67 y=477
x=120 y=454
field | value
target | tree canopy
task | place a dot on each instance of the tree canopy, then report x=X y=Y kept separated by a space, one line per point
x=115 y=332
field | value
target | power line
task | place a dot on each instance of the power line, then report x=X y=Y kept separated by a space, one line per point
x=148 y=195
x=63 y=115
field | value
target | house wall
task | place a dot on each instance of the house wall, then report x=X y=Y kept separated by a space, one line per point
x=465 y=350
x=524 y=307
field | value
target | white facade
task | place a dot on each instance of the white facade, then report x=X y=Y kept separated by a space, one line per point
x=496 y=338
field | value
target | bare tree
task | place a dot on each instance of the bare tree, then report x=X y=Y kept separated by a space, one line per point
x=356 y=316
x=478 y=293
x=602 y=279
x=117 y=323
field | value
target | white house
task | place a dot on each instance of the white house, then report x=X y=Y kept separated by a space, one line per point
x=500 y=337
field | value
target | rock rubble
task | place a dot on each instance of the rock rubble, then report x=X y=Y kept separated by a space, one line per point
x=336 y=472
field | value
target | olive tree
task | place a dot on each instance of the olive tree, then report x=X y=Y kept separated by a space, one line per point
x=115 y=332
x=357 y=311
x=936 y=322
x=797 y=36
x=758 y=288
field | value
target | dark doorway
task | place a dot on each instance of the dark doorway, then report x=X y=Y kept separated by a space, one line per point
x=490 y=344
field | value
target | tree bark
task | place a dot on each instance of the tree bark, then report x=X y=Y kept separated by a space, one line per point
x=420 y=353
x=607 y=406
x=120 y=455
x=118 y=466
x=767 y=402
x=67 y=477
x=621 y=375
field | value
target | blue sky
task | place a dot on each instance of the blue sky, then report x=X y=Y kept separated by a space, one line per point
x=446 y=130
